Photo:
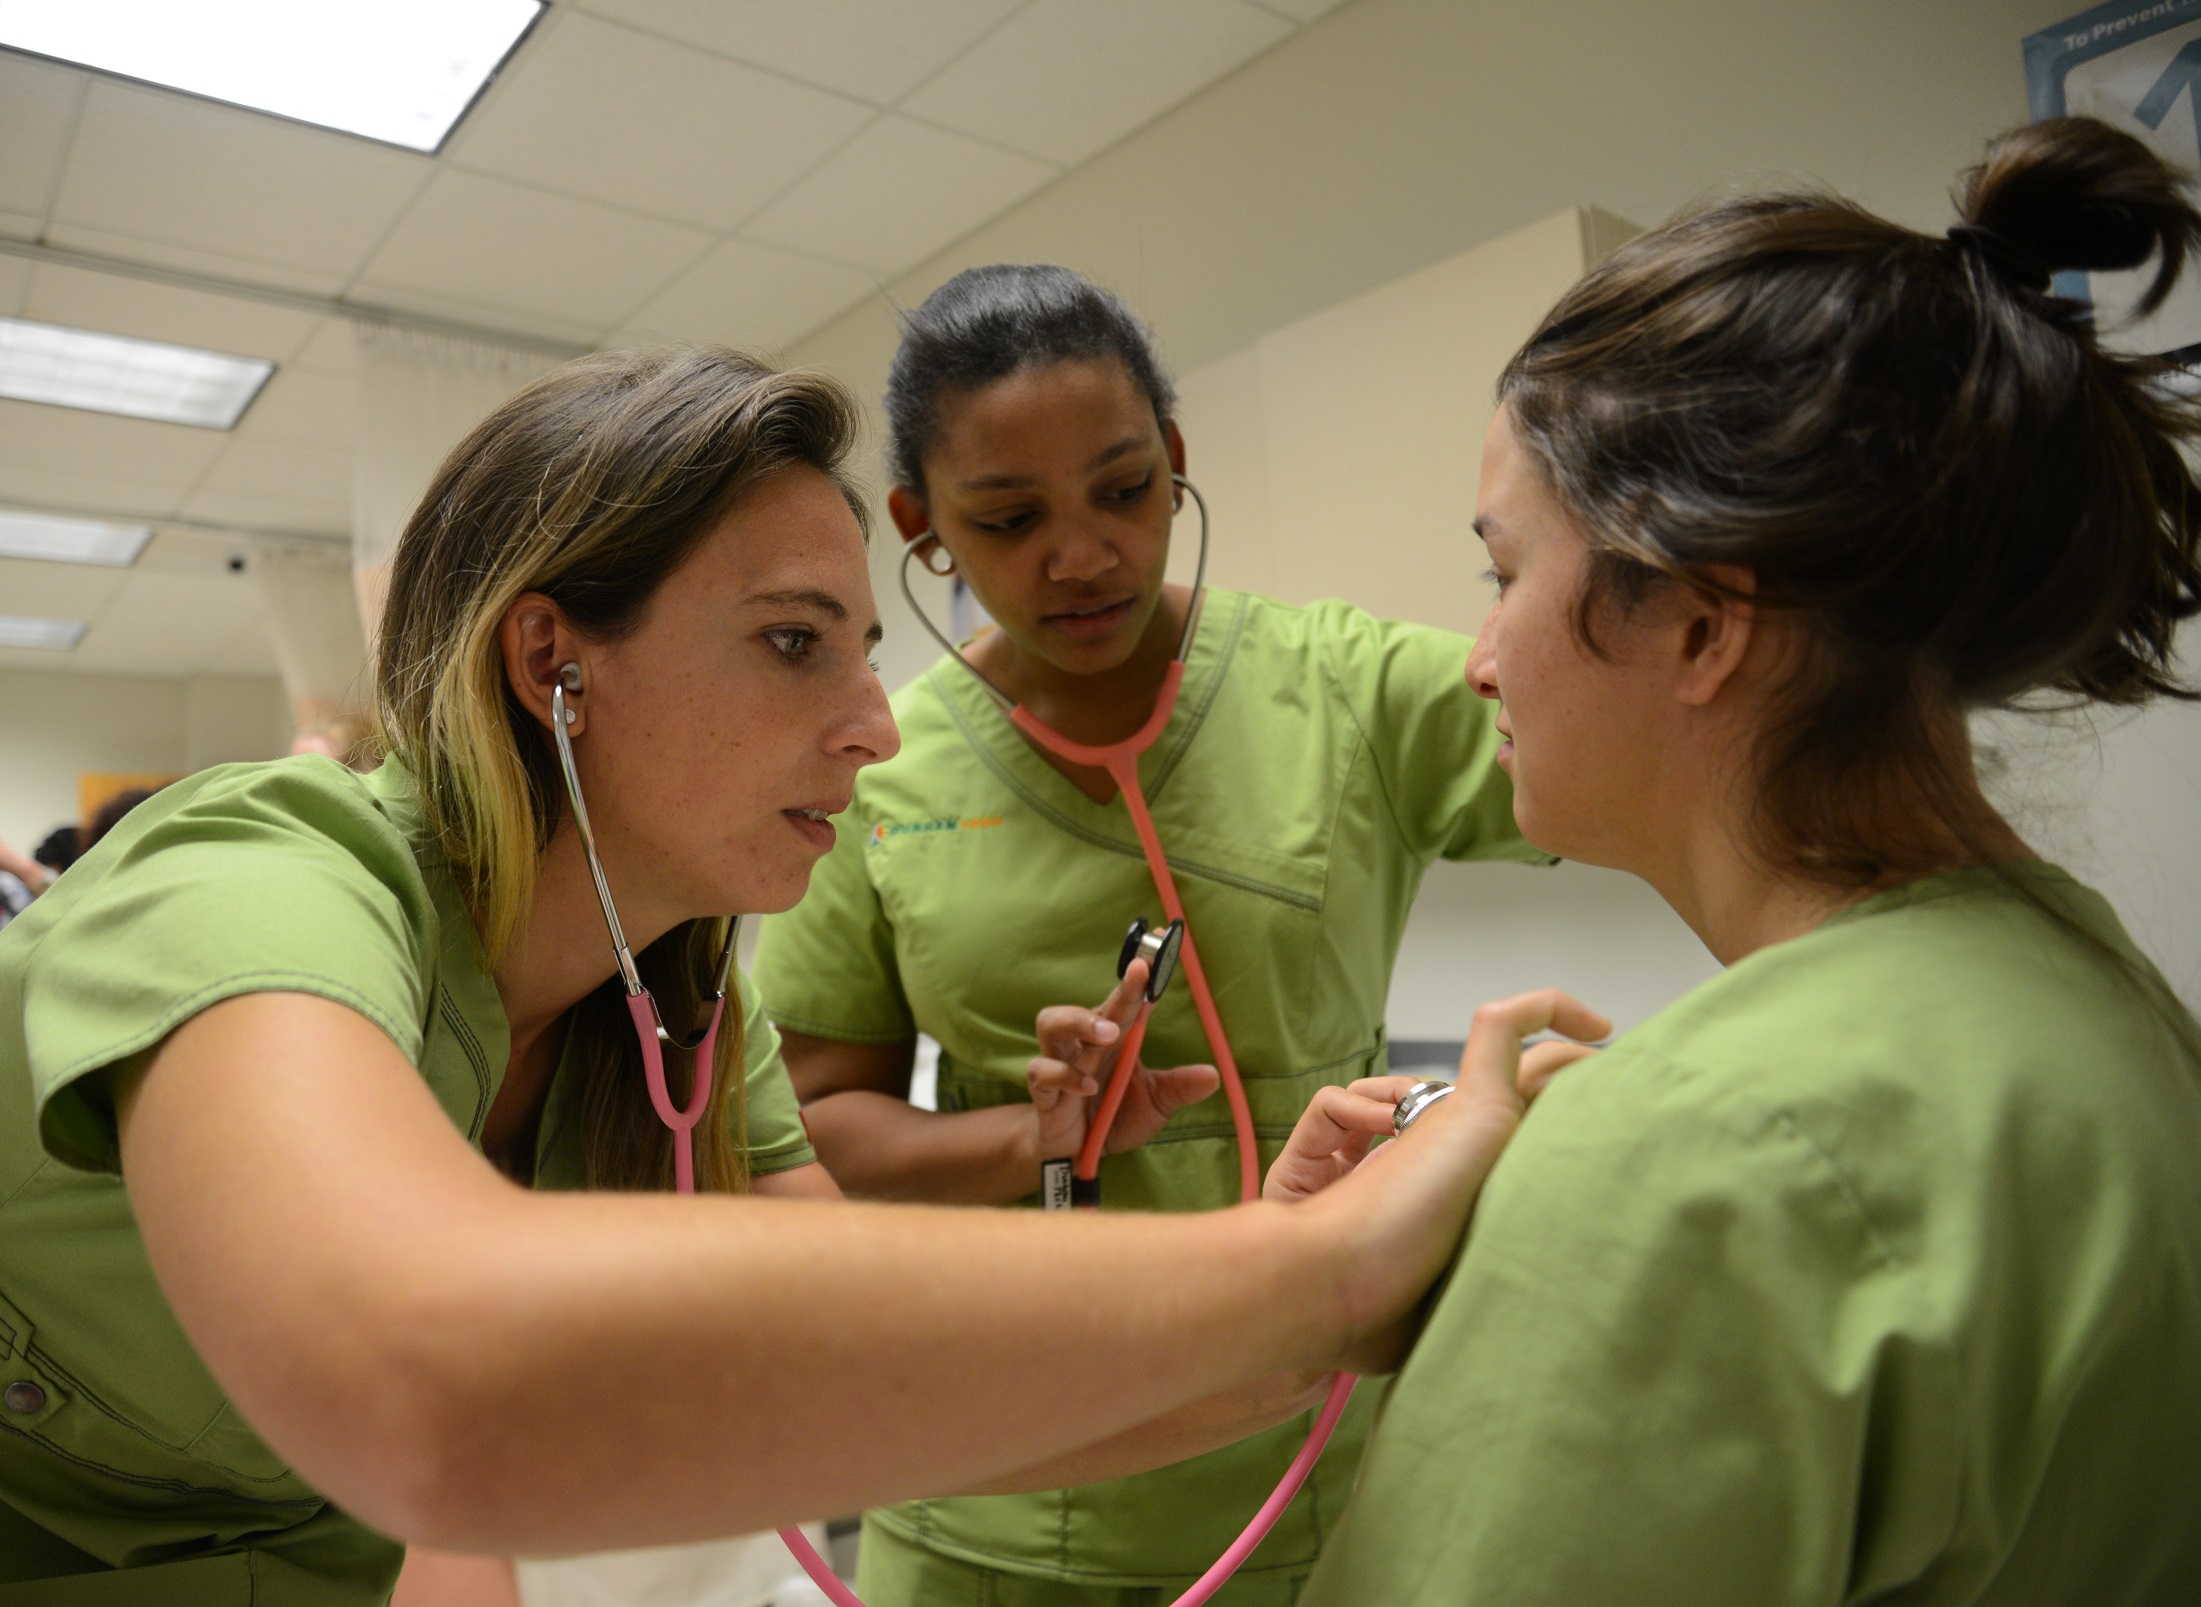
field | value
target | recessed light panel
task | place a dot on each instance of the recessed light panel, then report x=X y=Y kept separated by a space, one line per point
x=137 y=378
x=397 y=70
x=70 y=541
x=58 y=635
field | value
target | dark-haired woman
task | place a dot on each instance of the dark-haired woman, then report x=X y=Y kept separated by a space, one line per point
x=1316 y=763
x=326 y=1161
x=1871 y=1271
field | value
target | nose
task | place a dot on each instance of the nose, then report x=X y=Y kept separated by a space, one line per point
x=868 y=735
x=1079 y=554
x=1482 y=661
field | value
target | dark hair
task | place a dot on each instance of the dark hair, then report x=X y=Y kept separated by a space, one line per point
x=1910 y=444
x=109 y=814
x=590 y=486
x=57 y=850
x=988 y=323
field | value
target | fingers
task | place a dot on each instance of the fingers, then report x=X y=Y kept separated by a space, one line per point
x=1492 y=1060
x=1056 y=1078
x=1541 y=1062
x=1066 y=1029
x=1178 y=1086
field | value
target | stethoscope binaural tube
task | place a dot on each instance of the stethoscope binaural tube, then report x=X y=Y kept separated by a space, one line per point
x=649 y=1025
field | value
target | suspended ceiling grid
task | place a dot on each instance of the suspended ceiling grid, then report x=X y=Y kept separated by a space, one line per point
x=734 y=170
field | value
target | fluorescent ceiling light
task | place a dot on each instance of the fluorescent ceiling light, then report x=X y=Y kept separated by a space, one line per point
x=70 y=541
x=60 y=635
x=137 y=378
x=397 y=70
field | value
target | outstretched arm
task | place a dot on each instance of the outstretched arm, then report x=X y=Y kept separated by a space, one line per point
x=465 y=1364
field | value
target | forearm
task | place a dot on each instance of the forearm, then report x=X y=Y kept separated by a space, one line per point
x=880 y=1147
x=1193 y=1430
x=471 y=1366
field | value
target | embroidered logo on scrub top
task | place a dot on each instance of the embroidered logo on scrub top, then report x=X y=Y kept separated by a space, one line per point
x=916 y=828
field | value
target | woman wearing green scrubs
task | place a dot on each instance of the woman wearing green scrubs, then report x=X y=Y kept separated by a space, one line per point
x=1871 y=1271
x=1317 y=762
x=276 y=1057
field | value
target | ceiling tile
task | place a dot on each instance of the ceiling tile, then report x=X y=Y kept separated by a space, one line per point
x=1303 y=10
x=626 y=118
x=214 y=264
x=1064 y=79
x=877 y=49
x=67 y=440
x=284 y=471
x=32 y=487
x=57 y=591
x=300 y=405
x=494 y=244
x=191 y=173
x=20 y=225
x=755 y=297
x=250 y=652
x=15 y=281
x=169 y=624
x=36 y=103
x=275 y=515
x=116 y=305
x=328 y=350
x=896 y=194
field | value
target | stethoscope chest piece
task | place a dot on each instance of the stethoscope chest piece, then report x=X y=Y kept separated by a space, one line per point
x=1158 y=946
x=1418 y=1099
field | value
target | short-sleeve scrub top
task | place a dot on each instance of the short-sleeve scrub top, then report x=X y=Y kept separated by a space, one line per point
x=1318 y=761
x=1868 y=1272
x=126 y=1476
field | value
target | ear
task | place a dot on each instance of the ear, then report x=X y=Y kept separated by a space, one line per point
x=910 y=515
x=537 y=644
x=1715 y=633
x=1173 y=442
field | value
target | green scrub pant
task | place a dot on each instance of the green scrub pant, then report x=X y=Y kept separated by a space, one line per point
x=894 y=1572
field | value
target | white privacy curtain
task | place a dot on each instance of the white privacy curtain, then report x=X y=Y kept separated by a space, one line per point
x=415 y=397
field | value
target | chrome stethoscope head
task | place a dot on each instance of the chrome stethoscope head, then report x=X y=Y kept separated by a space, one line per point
x=569 y=680
x=1184 y=642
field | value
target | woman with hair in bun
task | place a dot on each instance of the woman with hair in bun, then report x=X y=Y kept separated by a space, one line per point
x=1870 y=1271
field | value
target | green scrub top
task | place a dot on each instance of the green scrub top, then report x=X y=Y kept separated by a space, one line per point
x=1869 y=1272
x=1317 y=762
x=122 y=1465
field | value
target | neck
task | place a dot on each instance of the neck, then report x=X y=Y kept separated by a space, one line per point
x=1102 y=706
x=1709 y=867
x=563 y=952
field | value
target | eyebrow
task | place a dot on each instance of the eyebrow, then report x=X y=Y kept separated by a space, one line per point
x=1017 y=482
x=823 y=601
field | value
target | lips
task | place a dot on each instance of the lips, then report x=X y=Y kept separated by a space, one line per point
x=814 y=822
x=1091 y=622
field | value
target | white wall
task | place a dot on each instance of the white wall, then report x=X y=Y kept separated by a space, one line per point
x=55 y=727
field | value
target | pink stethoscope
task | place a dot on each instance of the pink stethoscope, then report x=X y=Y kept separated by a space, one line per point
x=1121 y=762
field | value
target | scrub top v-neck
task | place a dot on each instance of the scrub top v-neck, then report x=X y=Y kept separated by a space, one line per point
x=126 y=1476
x=1317 y=762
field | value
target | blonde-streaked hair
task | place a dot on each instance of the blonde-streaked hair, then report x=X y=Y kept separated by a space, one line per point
x=590 y=487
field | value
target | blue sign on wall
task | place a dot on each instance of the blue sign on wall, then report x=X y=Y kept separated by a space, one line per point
x=2136 y=65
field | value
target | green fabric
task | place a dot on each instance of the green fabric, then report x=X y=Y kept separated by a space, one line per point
x=894 y=1572
x=1871 y=1271
x=294 y=876
x=1318 y=761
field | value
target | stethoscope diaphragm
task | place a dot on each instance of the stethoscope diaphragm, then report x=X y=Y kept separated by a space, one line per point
x=1158 y=946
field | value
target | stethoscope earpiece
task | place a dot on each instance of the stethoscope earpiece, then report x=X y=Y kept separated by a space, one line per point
x=569 y=681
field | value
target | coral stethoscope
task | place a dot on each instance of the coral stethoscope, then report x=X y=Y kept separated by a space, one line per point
x=1163 y=948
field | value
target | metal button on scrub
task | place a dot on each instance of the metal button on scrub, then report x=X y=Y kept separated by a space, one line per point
x=24 y=1396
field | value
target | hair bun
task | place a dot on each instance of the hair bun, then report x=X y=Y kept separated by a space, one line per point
x=2073 y=192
